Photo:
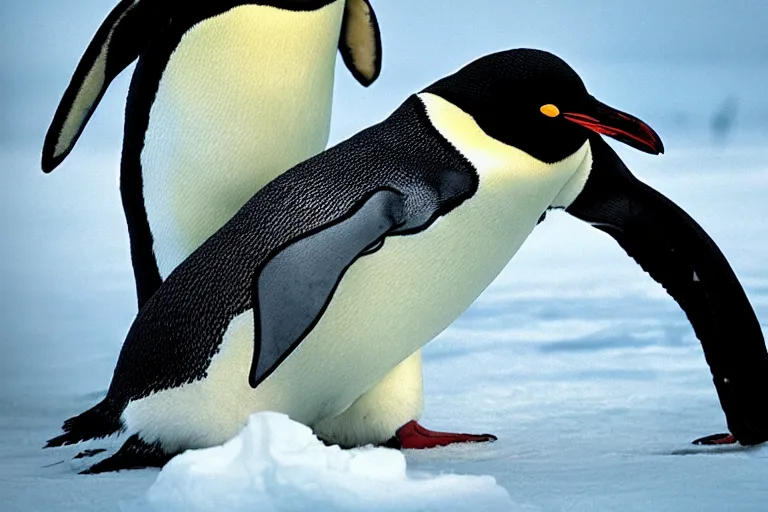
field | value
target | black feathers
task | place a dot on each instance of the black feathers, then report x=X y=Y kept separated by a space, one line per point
x=102 y=420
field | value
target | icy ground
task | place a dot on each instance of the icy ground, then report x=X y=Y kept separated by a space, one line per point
x=588 y=373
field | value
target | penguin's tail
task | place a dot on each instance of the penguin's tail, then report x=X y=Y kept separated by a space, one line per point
x=101 y=420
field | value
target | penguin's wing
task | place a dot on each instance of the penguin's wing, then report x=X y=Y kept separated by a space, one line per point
x=122 y=36
x=360 y=41
x=294 y=285
x=677 y=253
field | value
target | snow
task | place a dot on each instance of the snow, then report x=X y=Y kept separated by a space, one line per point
x=277 y=464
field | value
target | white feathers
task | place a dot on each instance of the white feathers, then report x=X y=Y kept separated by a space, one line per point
x=245 y=96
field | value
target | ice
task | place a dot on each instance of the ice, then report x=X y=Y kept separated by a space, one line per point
x=276 y=464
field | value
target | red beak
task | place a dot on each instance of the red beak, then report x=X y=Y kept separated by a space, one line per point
x=620 y=126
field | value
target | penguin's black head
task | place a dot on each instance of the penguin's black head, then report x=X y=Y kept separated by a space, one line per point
x=534 y=101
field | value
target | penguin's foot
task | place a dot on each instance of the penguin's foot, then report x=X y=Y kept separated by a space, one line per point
x=716 y=439
x=413 y=436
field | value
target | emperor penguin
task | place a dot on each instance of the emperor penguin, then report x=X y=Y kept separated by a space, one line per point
x=345 y=265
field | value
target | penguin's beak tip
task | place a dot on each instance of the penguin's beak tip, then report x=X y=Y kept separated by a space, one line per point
x=657 y=148
x=650 y=144
x=619 y=125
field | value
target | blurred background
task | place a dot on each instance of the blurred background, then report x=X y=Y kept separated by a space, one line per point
x=695 y=71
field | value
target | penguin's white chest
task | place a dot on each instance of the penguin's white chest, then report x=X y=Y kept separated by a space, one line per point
x=394 y=301
x=245 y=96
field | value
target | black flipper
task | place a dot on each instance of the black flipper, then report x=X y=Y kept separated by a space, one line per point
x=134 y=454
x=360 y=41
x=677 y=253
x=121 y=38
x=295 y=284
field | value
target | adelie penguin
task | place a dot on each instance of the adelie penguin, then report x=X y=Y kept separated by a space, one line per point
x=342 y=267
x=226 y=95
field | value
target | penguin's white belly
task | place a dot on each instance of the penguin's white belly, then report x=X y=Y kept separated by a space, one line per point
x=245 y=96
x=386 y=306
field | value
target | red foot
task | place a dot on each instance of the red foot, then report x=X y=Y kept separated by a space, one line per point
x=413 y=436
x=716 y=439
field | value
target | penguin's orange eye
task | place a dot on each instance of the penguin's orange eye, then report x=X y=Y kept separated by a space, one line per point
x=550 y=110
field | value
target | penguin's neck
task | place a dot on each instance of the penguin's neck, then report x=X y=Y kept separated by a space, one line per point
x=505 y=172
x=245 y=96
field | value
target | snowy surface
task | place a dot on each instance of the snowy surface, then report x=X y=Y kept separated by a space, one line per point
x=277 y=464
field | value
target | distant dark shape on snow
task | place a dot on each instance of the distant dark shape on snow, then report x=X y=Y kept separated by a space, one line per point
x=723 y=120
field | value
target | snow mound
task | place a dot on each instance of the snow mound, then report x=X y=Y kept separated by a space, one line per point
x=276 y=464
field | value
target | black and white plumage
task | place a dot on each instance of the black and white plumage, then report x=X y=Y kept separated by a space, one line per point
x=226 y=95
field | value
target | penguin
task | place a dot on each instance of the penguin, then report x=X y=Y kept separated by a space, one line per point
x=225 y=96
x=348 y=263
